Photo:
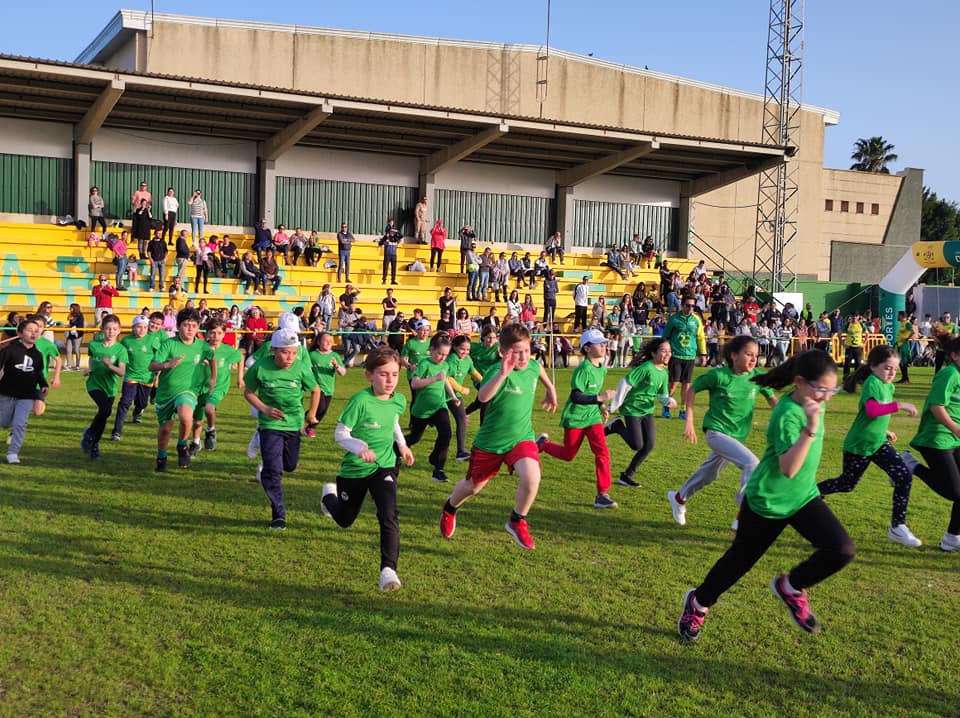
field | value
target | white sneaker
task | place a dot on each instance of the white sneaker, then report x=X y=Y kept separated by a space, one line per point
x=950 y=542
x=327 y=490
x=910 y=460
x=679 y=510
x=253 y=448
x=735 y=525
x=902 y=535
x=259 y=470
x=389 y=581
x=13 y=459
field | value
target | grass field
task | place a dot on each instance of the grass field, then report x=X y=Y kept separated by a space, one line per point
x=127 y=593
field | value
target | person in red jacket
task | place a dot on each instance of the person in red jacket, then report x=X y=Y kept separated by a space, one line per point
x=103 y=295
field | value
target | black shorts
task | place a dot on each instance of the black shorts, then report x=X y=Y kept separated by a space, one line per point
x=681 y=370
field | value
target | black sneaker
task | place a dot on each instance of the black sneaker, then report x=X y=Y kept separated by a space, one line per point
x=183 y=456
x=463 y=456
x=161 y=466
x=95 y=451
x=278 y=525
x=138 y=418
x=194 y=449
x=210 y=440
x=439 y=476
x=691 y=620
x=625 y=480
x=86 y=443
x=603 y=501
x=115 y=436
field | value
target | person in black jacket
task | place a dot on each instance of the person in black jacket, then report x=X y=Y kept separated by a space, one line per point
x=183 y=254
x=157 y=252
x=21 y=383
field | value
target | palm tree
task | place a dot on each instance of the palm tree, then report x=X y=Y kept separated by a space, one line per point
x=872 y=155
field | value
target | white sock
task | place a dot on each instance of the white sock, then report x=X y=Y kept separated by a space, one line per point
x=789 y=587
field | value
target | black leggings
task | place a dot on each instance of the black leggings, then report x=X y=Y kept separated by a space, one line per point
x=755 y=534
x=887 y=458
x=943 y=477
x=201 y=269
x=459 y=412
x=134 y=393
x=640 y=435
x=435 y=254
x=104 y=409
x=94 y=221
x=439 y=419
x=382 y=485
x=852 y=359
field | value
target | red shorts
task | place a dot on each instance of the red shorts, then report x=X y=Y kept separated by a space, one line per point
x=484 y=465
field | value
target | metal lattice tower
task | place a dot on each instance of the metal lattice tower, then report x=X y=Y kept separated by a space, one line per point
x=775 y=251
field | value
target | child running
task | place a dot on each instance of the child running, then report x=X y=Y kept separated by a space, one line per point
x=459 y=366
x=108 y=362
x=416 y=348
x=581 y=418
x=369 y=432
x=869 y=439
x=429 y=407
x=225 y=357
x=635 y=398
x=21 y=383
x=138 y=379
x=726 y=424
x=183 y=377
x=781 y=492
x=506 y=437
x=938 y=441
x=484 y=354
x=326 y=367
x=274 y=386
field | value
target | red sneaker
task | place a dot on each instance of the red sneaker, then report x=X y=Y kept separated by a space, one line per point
x=520 y=531
x=448 y=523
x=310 y=432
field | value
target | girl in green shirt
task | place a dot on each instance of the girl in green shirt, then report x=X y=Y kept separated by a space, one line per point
x=429 y=406
x=326 y=368
x=869 y=439
x=781 y=492
x=459 y=366
x=108 y=362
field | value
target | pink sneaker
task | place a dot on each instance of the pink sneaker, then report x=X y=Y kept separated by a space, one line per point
x=796 y=604
x=520 y=531
x=310 y=432
x=448 y=524
x=691 y=619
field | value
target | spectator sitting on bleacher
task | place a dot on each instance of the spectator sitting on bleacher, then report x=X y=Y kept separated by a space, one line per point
x=249 y=274
x=540 y=267
x=626 y=266
x=298 y=246
x=666 y=280
x=257 y=325
x=262 y=239
x=516 y=269
x=491 y=320
x=269 y=272
x=315 y=250
x=528 y=272
x=648 y=250
x=554 y=247
x=613 y=261
x=598 y=315
x=177 y=295
x=281 y=244
x=228 y=256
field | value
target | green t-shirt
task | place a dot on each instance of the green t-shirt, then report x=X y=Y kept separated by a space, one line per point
x=323 y=371
x=945 y=392
x=459 y=369
x=484 y=356
x=49 y=351
x=648 y=383
x=432 y=397
x=190 y=375
x=414 y=351
x=589 y=380
x=732 y=397
x=282 y=389
x=101 y=378
x=372 y=421
x=508 y=419
x=140 y=354
x=771 y=494
x=867 y=435
x=226 y=356
x=686 y=335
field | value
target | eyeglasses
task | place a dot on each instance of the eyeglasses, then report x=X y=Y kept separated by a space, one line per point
x=822 y=389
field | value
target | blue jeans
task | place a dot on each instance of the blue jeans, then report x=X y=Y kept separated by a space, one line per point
x=279 y=452
x=343 y=264
x=196 y=228
x=471 y=285
x=484 y=282
x=121 y=270
x=157 y=269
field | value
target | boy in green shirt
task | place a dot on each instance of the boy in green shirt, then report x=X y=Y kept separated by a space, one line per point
x=430 y=403
x=459 y=367
x=138 y=380
x=416 y=348
x=225 y=357
x=183 y=377
x=506 y=437
x=274 y=386
x=582 y=416
x=368 y=430
x=108 y=362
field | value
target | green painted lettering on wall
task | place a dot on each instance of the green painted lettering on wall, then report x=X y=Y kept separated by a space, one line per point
x=13 y=282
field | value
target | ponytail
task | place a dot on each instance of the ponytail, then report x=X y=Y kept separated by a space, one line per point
x=809 y=365
x=878 y=355
x=648 y=350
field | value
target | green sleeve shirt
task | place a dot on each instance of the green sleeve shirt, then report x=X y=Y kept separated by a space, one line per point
x=323 y=371
x=732 y=399
x=225 y=356
x=282 y=389
x=459 y=369
x=484 y=356
x=414 y=351
x=945 y=392
x=190 y=375
x=433 y=397
x=769 y=492
x=372 y=421
x=509 y=414
x=140 y=353
x=588 y=379
x=49 y=351
x=647 y=382
x=867 y=435
x=101 y=378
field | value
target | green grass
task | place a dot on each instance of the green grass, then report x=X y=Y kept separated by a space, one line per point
x=125 y=593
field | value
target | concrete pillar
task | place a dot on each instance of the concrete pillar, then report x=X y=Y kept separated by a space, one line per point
x=267 y=189
x=564 y=224
x=684 y=222
x=81 y=179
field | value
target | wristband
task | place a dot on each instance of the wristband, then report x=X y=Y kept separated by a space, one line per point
x=808 y=432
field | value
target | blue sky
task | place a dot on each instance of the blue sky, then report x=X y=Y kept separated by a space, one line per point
x=887 y=66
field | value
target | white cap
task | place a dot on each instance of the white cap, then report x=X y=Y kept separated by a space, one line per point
x=423 y=324
x=140 y=319
x=284 y=339
x=592 y=336
x=289 y=321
